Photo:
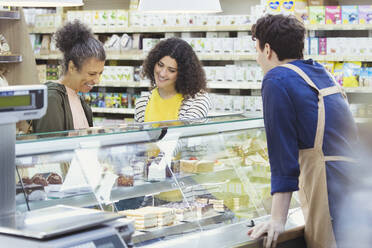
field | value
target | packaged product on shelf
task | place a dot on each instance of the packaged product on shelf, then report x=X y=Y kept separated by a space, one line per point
x=273 y=7
x=287 y=7
x=239 y=74
x=350 y=14
x=199 y=45
x=208 y=45
x=228 y=102
x=124 y=100
x=351 y=72
x=217 y=45
x=112 y=17
x=230 y=73
x=113 y=44
x=126 y=177
x=228 y=45
x=93 y=99
x=363 y=78
x=88 y=17
x=95 y=17
x=338 y=72
x=220 y=73
x=317 y=14
x=122 y=18
x=101 y=100
x=41 y=69
x=365 y=14
x=103 y=17
x=323 y=46
x=238 y=103
x=45 y=44
x=333 y=15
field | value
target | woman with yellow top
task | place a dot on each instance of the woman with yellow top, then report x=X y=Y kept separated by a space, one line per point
x=179 y=83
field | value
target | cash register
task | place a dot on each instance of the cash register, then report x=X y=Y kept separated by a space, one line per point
x=58 y=226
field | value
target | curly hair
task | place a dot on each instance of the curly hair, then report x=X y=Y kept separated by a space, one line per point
x=77 y=43
x=191 y=76
x=284 y=34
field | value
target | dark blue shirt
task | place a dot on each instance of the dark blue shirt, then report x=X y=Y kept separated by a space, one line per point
x=290 y=115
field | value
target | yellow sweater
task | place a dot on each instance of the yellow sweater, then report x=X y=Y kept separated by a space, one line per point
x=159 y=109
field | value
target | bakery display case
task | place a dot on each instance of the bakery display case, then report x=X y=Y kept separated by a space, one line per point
x=184 y=183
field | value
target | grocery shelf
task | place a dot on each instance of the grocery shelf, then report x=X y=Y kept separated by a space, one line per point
x=339 y=57
x=234 y=85
x=10 y=15
x=222 y=113
x=358 y=89
x=339 y=26
x=133 y=84
x=362 y=120
x=152 y=29
x=13 y=58
x=140 y=55
x=194 y=28
x=42 y=30
x=113 y=110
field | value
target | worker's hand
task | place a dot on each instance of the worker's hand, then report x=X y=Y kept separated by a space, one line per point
x=272 y=228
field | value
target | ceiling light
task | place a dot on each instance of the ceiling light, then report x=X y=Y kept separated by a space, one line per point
x=41 y=3
x=180 y=6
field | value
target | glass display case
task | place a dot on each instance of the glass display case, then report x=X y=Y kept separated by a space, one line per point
x=192 y=179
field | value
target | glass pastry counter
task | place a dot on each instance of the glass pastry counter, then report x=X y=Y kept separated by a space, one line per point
x=191 y=179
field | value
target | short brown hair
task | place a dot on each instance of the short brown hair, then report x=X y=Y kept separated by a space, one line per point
x=191 y=76
x=284 y=34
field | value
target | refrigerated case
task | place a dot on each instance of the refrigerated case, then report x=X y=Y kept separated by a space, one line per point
x=185 y=183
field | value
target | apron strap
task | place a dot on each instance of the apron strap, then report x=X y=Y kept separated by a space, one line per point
x=330 y=91
x=318 y=143
x=340 y=158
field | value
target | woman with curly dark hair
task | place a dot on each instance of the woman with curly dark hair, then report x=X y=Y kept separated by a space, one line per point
x=179 y=83
x=83 y=61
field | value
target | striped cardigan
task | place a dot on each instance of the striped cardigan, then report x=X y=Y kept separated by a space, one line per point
x=191 y=108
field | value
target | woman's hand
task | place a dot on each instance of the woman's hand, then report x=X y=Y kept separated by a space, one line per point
x=275 y=226
x=272 y=228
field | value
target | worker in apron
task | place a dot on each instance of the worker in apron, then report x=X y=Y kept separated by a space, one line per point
x=310 y=133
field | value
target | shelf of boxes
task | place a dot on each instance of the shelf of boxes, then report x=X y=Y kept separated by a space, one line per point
x=340 y=57
x=140 y=55
x=10 y=15
x=362 y=120
x=158 y=29
x=358 y=89
x=168 y=29
x=235 y=85
x=13 y=58
x=133 y=84
x=339 y=26
x=113 y=110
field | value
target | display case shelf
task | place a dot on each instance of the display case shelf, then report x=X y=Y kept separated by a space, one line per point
x=14 y=58
x=10 y=15
x=139 y=189
x=234 y=85
x=183 y=227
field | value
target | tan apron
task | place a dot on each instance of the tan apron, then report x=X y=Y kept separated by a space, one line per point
x=313 y=182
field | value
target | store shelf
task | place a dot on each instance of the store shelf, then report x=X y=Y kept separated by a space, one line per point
x=10 y=15
x=113 y=110
x=183 y=227
x=140 y=55
x=339 y=26
x=42 y=30
x=366 y=90
x=234 y=85
x=125 y=84
x=362 y=120
x=153 y=29
x=139 y=189
x=339 y=57
x=222 y=113
x=10 y=58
